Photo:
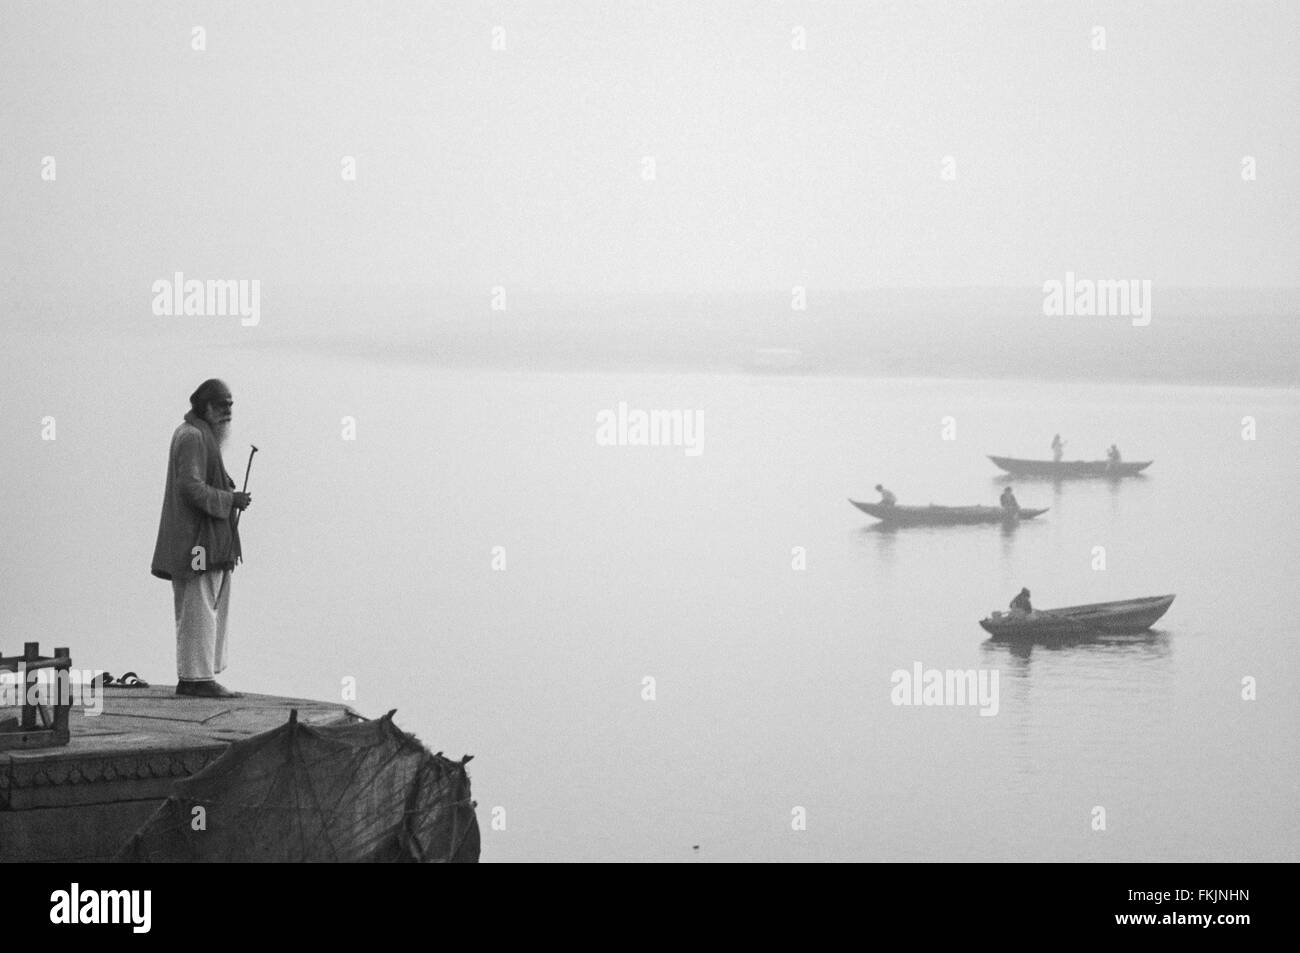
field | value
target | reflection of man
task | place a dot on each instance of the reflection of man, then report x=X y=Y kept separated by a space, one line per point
x=198 y=539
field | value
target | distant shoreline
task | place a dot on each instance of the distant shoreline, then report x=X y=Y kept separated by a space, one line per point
x=1207 y=337
x=422 y=353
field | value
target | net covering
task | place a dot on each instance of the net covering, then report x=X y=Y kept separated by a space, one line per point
x=353 y=793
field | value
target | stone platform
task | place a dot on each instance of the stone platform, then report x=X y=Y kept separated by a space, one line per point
x=83 y=800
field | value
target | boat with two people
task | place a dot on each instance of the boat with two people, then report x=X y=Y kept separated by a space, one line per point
x=1058 y=469
x=894 y=514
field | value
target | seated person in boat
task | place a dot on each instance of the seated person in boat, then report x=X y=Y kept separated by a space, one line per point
x=1008 y=500
x=1113 y=454
x=886 y=498
x=1021 y=602
x=1058 y=448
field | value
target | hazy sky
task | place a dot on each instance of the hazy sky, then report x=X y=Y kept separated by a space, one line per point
x=522 y=167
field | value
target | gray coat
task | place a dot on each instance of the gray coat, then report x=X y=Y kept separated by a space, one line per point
x=196 y=508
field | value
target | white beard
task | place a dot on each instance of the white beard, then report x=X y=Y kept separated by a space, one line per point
x=222 y=433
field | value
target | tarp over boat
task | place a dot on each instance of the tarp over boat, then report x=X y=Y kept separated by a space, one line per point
x=361 y=792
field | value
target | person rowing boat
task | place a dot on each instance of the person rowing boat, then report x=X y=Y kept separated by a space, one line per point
x=1021 y=603
x=1009 y=502
x=886 y=498
x=1058 y=448
x=1126 y=617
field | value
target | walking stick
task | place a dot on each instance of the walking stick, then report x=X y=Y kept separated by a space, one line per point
x=239 y=513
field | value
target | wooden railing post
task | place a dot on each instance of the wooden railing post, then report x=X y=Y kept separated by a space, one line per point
x=31 y=652
x=52 y=709
x=62 y=706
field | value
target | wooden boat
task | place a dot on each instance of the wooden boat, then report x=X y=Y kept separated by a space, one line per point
x=1069 y=468
x=943 y=515
x=1111 y=618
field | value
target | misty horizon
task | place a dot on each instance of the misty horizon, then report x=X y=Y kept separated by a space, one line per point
x=573 y=146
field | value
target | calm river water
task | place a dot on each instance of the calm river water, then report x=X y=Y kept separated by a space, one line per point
x=477 y=561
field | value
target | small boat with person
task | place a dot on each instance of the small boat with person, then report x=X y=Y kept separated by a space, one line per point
x=932 y=515
x=1126 y=617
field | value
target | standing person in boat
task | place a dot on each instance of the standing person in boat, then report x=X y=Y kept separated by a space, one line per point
x=886 y=498
x=198 y=539
x=1058 y=448
x=1021 y=602
x=1009 y=503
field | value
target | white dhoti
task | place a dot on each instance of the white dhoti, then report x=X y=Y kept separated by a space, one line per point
x=202 y=602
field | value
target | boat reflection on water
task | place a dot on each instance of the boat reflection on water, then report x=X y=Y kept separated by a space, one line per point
x=1057 y=482
x=1151 y=644
x=1009 y=528
x=887 y=529
x=883 y=532
x=1078 y=698
x=885 y=535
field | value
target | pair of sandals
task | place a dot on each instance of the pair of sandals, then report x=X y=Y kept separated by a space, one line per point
x=129 y=680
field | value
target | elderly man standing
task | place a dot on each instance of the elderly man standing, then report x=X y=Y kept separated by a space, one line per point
x=198 y=539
